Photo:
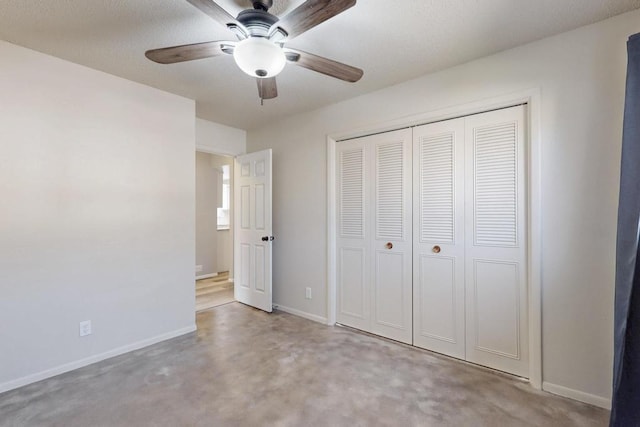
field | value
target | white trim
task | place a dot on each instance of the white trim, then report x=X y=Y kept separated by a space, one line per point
x=535 y=237
x=592 y=399
x=206 y=276
x=532 y=98
x=332 y=232
x=299 y=313
x=468 y=109
x=29 y=379
x=216 y=151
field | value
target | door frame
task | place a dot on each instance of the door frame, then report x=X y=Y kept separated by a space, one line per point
x=531 y=97
x=222 y=153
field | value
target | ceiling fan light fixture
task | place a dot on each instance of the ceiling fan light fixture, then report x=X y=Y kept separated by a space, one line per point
x=259 y=57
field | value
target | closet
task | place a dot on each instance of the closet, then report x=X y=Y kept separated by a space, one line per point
x=431 y=237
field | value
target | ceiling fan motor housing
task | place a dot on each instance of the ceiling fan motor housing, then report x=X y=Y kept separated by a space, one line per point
x=257 y=21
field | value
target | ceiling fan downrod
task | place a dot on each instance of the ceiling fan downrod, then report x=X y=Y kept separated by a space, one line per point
x=262 y=4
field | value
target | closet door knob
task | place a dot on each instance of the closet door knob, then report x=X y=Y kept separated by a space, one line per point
x=389 y=245
x=436 y=249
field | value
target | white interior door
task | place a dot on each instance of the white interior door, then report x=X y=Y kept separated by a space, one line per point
x=496 y=241
x=438 y=241
x=253 y=230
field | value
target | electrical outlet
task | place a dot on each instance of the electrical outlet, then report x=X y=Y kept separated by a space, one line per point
x=85 y=328
x=308 y=293
x=198 y=269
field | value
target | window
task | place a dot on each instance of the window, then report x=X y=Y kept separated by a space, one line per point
x=223 y=212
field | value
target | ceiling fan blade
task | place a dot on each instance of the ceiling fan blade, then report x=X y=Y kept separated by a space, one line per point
x=323 y=65
x=213 y=10
x=312 y=13
x=189 y=52
x=267 y=88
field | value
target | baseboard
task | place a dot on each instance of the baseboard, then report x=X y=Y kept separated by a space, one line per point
x=206 y=276
x=581 y=396
x=39 y=376
x=299 y=313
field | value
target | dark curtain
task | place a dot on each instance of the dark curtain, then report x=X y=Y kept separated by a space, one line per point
x=625 y=410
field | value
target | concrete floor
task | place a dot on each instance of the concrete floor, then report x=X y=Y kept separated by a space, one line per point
x=244 y=367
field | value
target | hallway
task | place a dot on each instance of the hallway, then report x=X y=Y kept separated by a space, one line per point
x=214 y=291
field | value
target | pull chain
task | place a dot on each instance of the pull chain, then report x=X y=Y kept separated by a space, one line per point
x=260 y=83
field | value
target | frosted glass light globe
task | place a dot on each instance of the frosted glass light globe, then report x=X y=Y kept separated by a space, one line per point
x=259 y=57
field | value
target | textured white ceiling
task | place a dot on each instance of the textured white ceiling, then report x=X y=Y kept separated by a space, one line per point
x=392 y=41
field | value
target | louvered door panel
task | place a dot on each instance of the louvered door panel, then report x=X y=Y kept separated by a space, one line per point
x=391 y=244
x=496 y=287
x=390 y=190
x=353 y=262
x=496 y=184
x=436 y=198
x=351 y=170
x=438 y=276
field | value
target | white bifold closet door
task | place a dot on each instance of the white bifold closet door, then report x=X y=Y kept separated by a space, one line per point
x=470 y=288
x=438 y=241
x=496 y=241
x=374 y=241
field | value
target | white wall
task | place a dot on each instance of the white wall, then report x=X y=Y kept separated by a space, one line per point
x=97 y=217
x=581 y=75
x=215 y=138
x=208 y=185
x=224 y=253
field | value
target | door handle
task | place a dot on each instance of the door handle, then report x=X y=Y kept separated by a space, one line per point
x=268 y=238
x=389 y=245
x=436 y=249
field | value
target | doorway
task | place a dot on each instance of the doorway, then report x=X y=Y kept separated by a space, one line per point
x=214 y=283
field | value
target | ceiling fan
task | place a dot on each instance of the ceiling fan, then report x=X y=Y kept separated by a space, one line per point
x=260 y=50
